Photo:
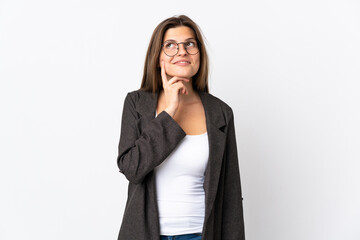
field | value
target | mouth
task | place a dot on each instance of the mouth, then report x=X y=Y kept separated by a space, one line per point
x=182 y=62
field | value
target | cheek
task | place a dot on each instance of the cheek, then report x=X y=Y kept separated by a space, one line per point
x=161 y=58
x=164 y=58
x=197 y=63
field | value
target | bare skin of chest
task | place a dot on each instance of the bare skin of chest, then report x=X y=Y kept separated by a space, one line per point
x=190 y=116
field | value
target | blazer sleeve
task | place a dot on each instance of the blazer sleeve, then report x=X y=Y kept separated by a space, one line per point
x=139 y=153
x=232 y=215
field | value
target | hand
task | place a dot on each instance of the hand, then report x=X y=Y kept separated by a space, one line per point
x=172 y=89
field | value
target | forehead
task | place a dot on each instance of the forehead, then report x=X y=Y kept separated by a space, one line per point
x=179 y=33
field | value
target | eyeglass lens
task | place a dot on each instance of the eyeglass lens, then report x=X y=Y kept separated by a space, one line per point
x=171 y=48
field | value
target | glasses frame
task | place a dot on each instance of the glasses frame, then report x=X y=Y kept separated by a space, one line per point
x=177 y=47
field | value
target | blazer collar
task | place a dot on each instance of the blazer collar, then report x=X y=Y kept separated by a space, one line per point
x=147 y=103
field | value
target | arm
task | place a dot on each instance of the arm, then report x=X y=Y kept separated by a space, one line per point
x=232 y=216
x=138 y=154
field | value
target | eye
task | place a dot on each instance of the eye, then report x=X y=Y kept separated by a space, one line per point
x=169 y=45
x=190 y=44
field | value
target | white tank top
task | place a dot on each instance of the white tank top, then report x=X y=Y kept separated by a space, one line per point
x=179 y=186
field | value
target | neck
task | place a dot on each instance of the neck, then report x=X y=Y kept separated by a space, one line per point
x=190 y=89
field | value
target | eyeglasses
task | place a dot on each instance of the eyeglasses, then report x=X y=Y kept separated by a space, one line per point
x=171 y=48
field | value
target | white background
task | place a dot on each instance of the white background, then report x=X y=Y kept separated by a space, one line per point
x=289 y=70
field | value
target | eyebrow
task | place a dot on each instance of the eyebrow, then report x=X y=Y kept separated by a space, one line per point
x=175 y=40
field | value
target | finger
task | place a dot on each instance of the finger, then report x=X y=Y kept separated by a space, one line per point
x=163 y=73
x=177 y=79
x=179 y=86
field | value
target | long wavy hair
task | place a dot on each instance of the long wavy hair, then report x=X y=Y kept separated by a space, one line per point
x=151 y=80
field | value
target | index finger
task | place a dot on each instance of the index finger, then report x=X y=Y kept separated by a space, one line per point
x=163 y=73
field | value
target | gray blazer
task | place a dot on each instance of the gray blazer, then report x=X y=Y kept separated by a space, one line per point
x=146 y=141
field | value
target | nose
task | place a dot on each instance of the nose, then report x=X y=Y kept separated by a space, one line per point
x=182 y=50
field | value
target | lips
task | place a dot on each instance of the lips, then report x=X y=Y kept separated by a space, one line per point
x=182 y=62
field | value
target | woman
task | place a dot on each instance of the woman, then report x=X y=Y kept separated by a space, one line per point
x=177 y=146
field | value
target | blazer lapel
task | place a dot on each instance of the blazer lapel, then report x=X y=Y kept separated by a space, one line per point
x=217 y=140
x=215 y=121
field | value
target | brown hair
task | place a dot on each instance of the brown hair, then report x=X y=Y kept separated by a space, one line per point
x=151 y=80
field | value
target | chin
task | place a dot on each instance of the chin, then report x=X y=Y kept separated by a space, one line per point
x=182 y=74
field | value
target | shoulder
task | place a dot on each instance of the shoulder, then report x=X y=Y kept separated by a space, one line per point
x=219 y=103
x=135 y=95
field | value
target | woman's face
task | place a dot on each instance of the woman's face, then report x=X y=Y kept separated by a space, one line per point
x=182 y=64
